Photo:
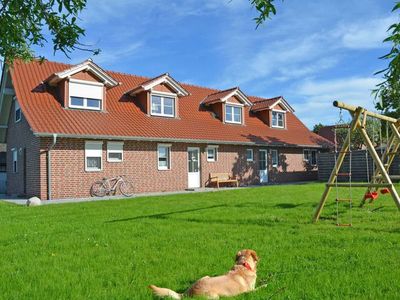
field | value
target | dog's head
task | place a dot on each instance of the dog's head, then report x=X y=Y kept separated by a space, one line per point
x=247 y=256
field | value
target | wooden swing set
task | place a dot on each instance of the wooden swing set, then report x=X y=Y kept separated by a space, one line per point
x=380 y=175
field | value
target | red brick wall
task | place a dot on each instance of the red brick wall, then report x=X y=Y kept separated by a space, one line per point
x=140 y=167
x=27 y=180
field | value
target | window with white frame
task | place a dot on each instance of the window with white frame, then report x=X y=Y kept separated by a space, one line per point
x=233 y=114
x=274 y=158
x=249 y=155
x=164 y=156
x=212 y=153
x=162 y=105
x=85 y=94
x=14 y=160
x=310 y=156
x=17 y=111
x=115 y=151
x=278 y=119
x=93 y=156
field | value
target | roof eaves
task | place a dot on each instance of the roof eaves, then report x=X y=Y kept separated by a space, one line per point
x=158 y=139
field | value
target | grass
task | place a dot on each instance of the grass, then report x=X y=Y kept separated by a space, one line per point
x=114 y=249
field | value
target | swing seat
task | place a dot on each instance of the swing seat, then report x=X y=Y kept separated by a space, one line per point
x=385 y=191
x=371 y=195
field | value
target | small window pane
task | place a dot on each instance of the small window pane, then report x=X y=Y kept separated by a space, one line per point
x=314 y=157
x=237 y=112
x=18 y=115
x=93 y=103
x=94 y=163
x=156 y=105
x=168 y=106
x=211 y=154
x=249 y=155
x=76 y=101
x=115 y=156
x=274 y=158
x=163 y=157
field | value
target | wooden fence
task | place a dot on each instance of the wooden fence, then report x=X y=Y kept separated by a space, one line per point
x=326 y=162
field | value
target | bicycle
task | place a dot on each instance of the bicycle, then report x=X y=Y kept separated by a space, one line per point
x=109 y=186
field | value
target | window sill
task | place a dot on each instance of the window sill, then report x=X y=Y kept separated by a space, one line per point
x=93 y=170
x=164 y=116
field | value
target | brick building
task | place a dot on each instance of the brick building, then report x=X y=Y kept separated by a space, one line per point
x=67 y=126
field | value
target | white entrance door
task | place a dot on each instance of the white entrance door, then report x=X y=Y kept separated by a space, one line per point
x=263 y=166
x=193 y=167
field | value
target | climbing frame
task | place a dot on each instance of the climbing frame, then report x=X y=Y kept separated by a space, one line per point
x=381 y=178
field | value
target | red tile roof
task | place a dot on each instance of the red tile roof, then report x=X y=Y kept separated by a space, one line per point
x=125 y=120
x=262 y=104
x=217 y=96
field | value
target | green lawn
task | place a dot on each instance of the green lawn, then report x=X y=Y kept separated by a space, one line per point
x=114 y=249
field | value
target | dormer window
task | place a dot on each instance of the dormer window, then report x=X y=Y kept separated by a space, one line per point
x=85 y=94
x=278 y=119
x=163 y=105
x=233 y=114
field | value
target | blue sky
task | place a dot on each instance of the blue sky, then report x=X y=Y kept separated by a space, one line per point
x=311 y=52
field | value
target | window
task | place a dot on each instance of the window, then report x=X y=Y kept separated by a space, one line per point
x=278 y=119
x=14 y=160
x=93 y=156
x=249 y=155
x=274 y=158
x=164 y=157
x=3 y=162
x=310 y=156
x=233 y=114
x=17 y=112
x=115 y=151
x=162 y=106
x=212 y=153
x=85 y=94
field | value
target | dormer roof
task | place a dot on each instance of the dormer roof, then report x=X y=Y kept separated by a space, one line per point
x=264 y=104
x=162 y=79
x=222 y=96
x=89 y=66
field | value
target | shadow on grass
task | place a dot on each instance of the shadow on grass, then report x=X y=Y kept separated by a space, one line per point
x=164 y=215
x=288 y=205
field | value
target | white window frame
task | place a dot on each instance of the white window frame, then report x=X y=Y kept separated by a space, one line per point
x=283 y=115
x=111 y=149
x=100 y=144
x=274 y=152
x=252 y=155
x=215 y=150
x=307 y=157
x=17 y=108
x=14 y=160
x=169 y=161
x=232 y=105
x=85 y=99
x=162 y=95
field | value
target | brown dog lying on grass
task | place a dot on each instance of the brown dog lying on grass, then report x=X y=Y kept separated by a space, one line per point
x=240 y=279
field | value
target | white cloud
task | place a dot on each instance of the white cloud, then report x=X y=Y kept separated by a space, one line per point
x=319 y=95
x=368 y=34
x=109 y=56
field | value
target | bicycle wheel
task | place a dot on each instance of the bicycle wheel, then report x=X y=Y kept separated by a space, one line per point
x=98 y=189
x=126 y=188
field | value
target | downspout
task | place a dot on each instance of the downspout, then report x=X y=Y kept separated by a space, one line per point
x=49 y=166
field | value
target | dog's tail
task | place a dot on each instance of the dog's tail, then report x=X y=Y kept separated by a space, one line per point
x=163 y=292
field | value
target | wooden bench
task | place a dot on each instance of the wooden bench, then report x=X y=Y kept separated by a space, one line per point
x=218 y=178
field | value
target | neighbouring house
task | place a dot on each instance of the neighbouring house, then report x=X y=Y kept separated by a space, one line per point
x=67 y=126
x=328 y=132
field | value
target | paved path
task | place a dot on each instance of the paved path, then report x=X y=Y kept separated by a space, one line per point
x=22 y=201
